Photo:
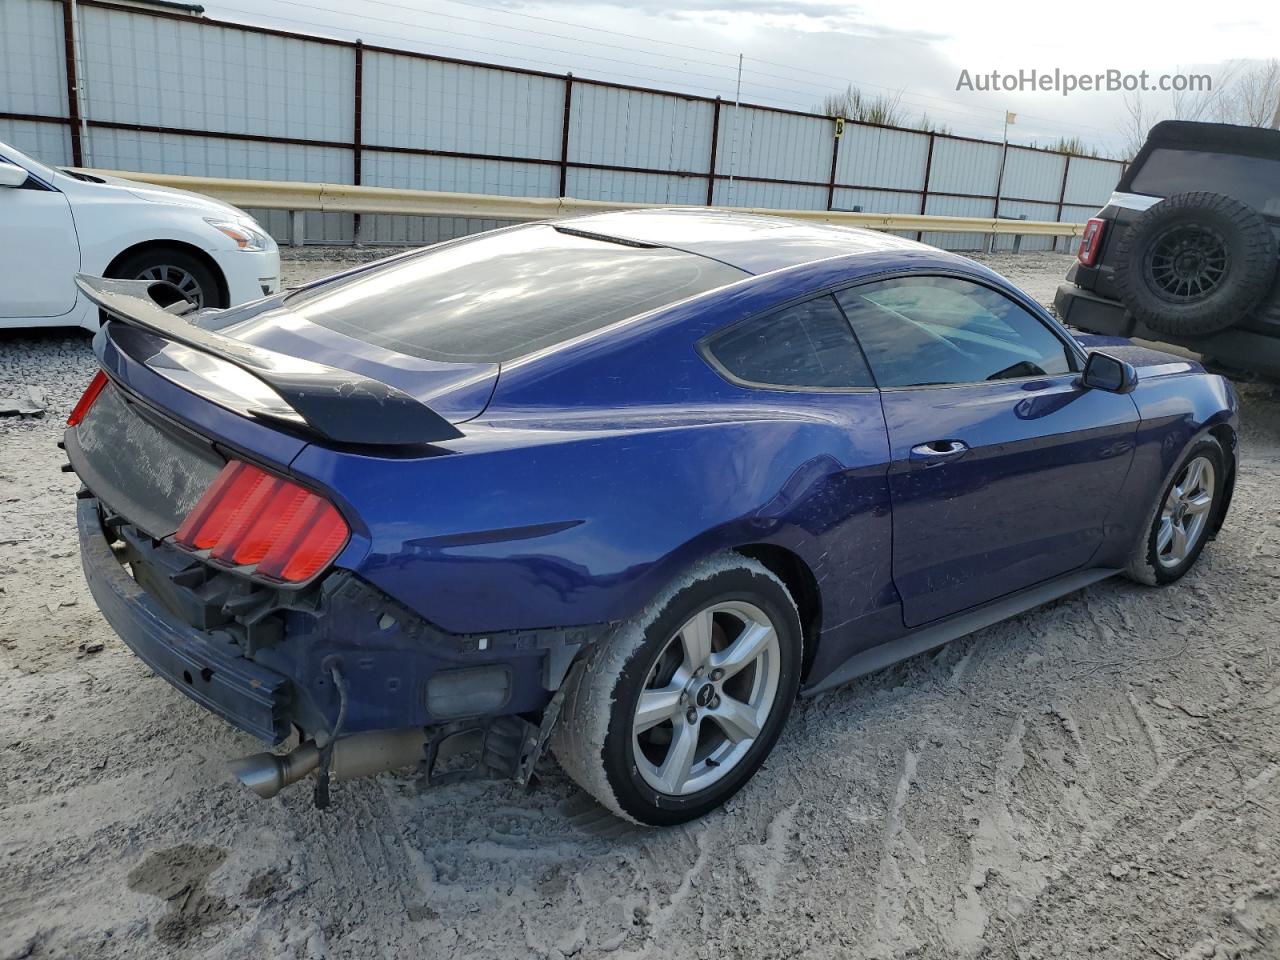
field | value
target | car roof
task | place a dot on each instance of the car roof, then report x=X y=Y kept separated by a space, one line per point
x=754 y=244
x=1214 y=137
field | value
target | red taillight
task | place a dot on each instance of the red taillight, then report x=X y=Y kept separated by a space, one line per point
x=249 y=517
x=1091 y=242
x=86 y=399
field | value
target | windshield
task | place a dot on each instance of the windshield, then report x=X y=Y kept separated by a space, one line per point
x=506 y=294
x=12 y=155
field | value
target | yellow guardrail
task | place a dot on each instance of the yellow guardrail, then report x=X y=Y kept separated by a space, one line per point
x=346 y=198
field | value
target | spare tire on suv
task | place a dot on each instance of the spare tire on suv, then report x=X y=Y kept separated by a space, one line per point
x=1195 y=264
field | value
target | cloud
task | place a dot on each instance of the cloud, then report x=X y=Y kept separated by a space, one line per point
x=803 y=16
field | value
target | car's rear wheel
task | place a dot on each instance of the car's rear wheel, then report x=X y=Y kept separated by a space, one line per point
x=1195 y=264
x=176 y=274
x=1183 y=517
x=681 y=706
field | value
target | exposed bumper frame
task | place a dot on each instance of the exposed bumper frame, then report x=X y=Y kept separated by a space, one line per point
x=245 y=694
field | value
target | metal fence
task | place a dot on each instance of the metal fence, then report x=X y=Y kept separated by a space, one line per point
x=105 y=85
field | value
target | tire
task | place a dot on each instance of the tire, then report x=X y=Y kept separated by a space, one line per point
x=1195 y=264
x=188 y=276
x=1156 y=562
x=630 y=765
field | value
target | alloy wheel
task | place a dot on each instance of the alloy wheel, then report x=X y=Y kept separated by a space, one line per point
x=1187 y=262
x=1184 y=517
x=177 y=280
x=707 y=697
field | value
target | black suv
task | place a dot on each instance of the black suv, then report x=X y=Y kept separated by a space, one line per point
x=1185 y=251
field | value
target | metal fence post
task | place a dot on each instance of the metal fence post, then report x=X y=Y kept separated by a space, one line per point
x=836 y=133
x=995 y=213
x=1062 y=196
x=924 y=190
x=715 y=142
x=1017 y=237
x=296 y=220
x=357 y=136
x=564 y=133
x=73 y=85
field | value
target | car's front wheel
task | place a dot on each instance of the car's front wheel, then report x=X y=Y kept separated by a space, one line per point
x=677 y=710
x=1183 y=516
x=175 y=275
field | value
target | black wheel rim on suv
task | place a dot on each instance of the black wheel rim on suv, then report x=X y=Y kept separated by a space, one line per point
x=1187 y=262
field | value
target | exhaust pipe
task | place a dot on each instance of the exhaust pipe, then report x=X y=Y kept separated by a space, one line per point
x=360 y=755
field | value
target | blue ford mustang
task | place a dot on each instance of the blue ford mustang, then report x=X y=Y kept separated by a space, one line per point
x=621 y=486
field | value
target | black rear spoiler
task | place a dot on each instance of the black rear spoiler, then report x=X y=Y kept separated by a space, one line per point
x=338 y=405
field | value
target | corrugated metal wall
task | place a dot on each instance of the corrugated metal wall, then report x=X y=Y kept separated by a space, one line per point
x=965 y=167
x=416 y=103
x=50 y=142
x=170 y=93
x=1090 y=180
x=33 y=78
x=630 y=128
x=140 y=69
x=774 y=145
x=876 y=157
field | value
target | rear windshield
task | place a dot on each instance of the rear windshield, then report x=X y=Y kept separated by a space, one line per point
x=1252 y=180
x=507 y=294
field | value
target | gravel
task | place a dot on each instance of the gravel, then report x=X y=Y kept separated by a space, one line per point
x=1098 y=777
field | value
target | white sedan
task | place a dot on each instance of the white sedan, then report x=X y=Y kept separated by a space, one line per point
x=57 y=223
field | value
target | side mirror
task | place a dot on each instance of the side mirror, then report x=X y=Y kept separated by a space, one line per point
x=12 y=175
x=1104 y=372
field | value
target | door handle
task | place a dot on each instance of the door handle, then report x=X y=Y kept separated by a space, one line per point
x=939 y=451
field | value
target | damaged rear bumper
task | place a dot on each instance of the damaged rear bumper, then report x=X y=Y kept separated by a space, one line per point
x=264 y=659
x=206 y=666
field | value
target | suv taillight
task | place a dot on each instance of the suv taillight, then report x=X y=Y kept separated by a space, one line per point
x=1091 y=241
x=86 y=399
x=251 y=518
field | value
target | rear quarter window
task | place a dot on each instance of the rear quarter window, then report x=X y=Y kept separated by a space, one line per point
x=1249 y=179
x=807 y=345
x=506 y=294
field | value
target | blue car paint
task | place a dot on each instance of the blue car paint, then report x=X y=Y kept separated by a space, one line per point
x=618 y=418
x=1028 y=501
x=602 y=468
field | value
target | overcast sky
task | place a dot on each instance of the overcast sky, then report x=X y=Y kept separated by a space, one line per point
x=799 y=50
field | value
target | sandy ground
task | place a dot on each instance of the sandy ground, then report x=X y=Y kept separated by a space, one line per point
x=1099 y=777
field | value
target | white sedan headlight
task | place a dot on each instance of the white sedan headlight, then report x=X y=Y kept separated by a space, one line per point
x=246 y=236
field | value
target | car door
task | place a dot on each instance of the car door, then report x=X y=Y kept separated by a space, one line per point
x=39 y=252
x=1003 y=468
x=833 y=508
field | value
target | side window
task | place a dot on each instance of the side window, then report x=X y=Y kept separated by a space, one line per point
x=806 y=345
x=918 y=331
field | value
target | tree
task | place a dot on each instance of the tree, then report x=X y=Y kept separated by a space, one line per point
x=1138 y=120
x=1246 y=93
x=1255 y=99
